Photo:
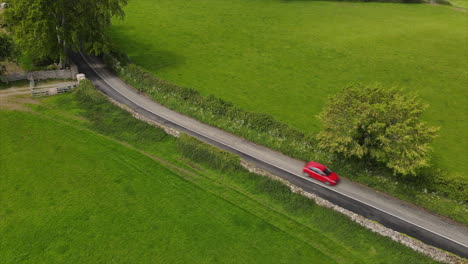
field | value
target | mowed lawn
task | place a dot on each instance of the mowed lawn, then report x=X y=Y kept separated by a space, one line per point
x=286 y=57
x=71 y=196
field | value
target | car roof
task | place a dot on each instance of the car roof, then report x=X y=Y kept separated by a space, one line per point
x=316 y=165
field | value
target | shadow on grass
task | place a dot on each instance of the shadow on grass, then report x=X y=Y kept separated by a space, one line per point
x=146 y=53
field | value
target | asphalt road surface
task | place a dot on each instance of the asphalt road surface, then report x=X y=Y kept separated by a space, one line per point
x=396 y=214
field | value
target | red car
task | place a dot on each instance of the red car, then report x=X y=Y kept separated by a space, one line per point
x=320 y=172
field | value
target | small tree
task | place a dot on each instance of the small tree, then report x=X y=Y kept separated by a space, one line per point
x=380 y=124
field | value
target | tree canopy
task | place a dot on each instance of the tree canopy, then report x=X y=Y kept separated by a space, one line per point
x=6 y=46
x=6 y=49
x=48 y=28
x=381 y=124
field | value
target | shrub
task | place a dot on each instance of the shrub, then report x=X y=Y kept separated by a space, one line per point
x=382 y=124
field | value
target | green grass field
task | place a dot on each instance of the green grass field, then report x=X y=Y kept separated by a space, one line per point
x=73 y=196
x=286 y=57
x=72 y=193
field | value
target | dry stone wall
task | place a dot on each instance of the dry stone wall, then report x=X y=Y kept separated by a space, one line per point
x=41 y=75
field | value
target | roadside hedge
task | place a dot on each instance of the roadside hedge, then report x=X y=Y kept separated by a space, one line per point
x=103 y=116
x=206 y=154
x=264 y=129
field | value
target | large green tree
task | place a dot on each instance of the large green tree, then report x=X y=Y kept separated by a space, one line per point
x=49 y=28
x=382 y=124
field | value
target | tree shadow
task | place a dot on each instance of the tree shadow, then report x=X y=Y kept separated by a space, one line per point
x=146 y=54
x=156 y=60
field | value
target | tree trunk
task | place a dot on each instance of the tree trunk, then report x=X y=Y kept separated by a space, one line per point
x=59 y=43
x=64 y=56
x=62 y=44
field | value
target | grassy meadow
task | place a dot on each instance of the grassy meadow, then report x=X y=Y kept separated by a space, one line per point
x=286 y=57
x=79 y=190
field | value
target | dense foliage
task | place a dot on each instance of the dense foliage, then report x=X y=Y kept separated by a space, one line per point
x=47 y=29
x=6 y=46
x=382 y=124
x=6 y=49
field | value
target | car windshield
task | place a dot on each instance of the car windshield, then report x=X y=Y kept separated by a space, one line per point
x=327 y=171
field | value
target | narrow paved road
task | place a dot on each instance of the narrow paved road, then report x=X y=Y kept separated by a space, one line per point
x=396 y=214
